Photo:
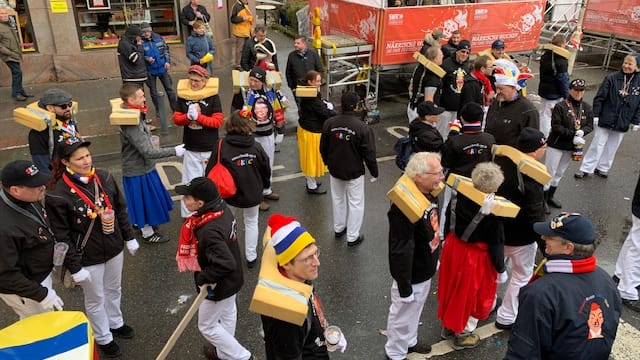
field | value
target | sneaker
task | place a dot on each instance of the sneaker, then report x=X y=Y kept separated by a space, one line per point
x=581 y=174
x=26 y=94
x=251 y=264
x=632 y=304
x=503 y=326
x=125 y=331
x=264 y=206
x=317 y=191
x=465 y=341
x=210 y=352
x=273 y=196
x=602 y=174
x=110 y=350
x=20 y=97
x=356 y=241
x=340 y=234
x=156 y=238
x=421 y=349
x=447 y=334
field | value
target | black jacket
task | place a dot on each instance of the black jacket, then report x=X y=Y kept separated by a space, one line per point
x=69 y=220
x=461 y=153
x=219 y=253
x=450 y=98
x=187 y=14
x=554 y=76
x=313 y=114
x=505 y=119
x=414 y=249
x=250 y=55
x=563 y=128
x=425 y=137
x=299 y=64
x=249 y=166
x=420 y=79
x=27 y=252
x=131 y=58
x=615 y=112
x=345 y=143
x=200 y=138
x=519 y=230
x=472 y=91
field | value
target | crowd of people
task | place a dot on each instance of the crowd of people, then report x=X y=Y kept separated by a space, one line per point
x=457 y=111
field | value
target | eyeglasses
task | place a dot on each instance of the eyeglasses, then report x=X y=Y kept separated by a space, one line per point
x=439 y=172
x=464 y=51
x=309 y=259
x=65 y=106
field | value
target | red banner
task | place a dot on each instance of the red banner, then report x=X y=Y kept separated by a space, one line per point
x=617 y=17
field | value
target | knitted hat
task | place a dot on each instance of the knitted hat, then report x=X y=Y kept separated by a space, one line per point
x=464 y=45
x=349 y=101
x=471 y=112
x=258 y=73
x=288 y=237
x=530 y=140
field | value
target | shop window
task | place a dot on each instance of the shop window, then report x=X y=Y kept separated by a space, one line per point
x=101 y=22
x=19 y=14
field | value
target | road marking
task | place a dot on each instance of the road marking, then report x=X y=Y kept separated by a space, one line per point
x=393 y=130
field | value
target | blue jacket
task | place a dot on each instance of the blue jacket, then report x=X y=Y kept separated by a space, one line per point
x=198 y=46
x=615 y=112
x=155 y=47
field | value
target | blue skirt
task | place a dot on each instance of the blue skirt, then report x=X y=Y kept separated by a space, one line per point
x=148 y=202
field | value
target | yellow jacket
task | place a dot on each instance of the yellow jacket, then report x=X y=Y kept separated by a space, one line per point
x=239 y=26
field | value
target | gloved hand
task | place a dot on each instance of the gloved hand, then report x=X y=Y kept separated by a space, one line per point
x=341 y=345
x=52 y=301
x=488 y=204
x=373 y=179
x=180 y=150
x=502 y=278
x=595 y=121
x=82 y=275
x=635 y=128
x=192 y=113
x=578 y=141
x=407 y=299
x=208 y=288
x=579 y=133
x=132 y=246
x=328 y=104
x=279 y=139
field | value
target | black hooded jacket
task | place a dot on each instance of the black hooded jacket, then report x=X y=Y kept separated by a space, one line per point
x=131 y=56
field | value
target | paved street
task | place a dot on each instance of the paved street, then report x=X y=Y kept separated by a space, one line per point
x=354 y=283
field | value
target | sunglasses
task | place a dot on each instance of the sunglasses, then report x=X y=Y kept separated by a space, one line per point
x=464 y=51
x=65 y=106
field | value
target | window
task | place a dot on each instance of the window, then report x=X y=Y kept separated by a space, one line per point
x=19 y=14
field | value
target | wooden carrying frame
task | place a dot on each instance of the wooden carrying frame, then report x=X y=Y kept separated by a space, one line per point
x=463 y=185
x=525 y=163
x=210 y=89
x=121 y=116
x=435 y=68
x=409 y=199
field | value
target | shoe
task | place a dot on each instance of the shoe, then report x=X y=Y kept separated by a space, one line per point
x=503 y=326
x=632 y=304
x=26 y=94
x=251 y=264
x=581 y=174
x=19 y=97
x=273 y=196
x=156 y=238
x=356 y=241
x=447 y=334
x=317 y=191
x=340 y=234
x=550 y=197
x=125 y=331
x=110 y=350
x=264 y=206
x=210 y=352
x=422 y=349
x=602 y=174
x=465 y=341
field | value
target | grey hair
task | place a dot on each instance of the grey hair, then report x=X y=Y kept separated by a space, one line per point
x=418 y=163
x=487 y=177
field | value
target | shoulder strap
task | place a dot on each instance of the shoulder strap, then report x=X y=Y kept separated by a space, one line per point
x=21 y=210
x=93 y=221
x=219 y=150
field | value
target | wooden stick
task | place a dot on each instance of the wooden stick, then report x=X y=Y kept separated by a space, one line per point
x=183 y=324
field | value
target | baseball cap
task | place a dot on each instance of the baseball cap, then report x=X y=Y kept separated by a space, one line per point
x=498 y=44
x=530 y=140
x=69 y=146
x=24 y=173
x=577 y=84
x=429 y=108
x=258 y=73
x=200 y=188
x=349 y=101
x=570 y=226
x=471 y=112
x=464 y=45
x=55 y=96
x=198 y=70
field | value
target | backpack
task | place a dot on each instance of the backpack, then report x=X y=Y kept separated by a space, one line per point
x=221 y=176
x=403 y=151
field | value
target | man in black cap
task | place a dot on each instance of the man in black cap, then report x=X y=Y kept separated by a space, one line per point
x=423 y=132
x=42 y=144
x=456 y=67
x=572 y=311
x=209 y=247
x=520 y=240
x=346 y=142
x=131 y=56
x=26 y=241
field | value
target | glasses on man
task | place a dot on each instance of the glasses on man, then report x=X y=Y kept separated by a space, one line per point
x=464 y=51
x=439 y=172
x=65 y=106
x=309 y=259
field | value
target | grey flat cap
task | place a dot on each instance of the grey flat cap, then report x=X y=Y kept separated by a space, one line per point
x=55 y=96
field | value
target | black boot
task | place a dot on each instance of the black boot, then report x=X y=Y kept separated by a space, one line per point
x=550 y=200
x=546 y=207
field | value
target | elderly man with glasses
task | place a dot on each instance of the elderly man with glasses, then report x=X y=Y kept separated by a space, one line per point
x=42 y=144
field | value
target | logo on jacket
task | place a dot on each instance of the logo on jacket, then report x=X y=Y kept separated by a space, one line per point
x=244 y=159
x=595 y=321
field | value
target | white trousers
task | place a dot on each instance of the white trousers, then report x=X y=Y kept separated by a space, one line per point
x=193 y=165
x=443 y=123
x=347 y=197
x=269 y=146
x=602 y=151
x=402 y=323
x=556 y=162
x=522 y=259
x=545 y=114
x=628 y=264
x=26 y=307
x=250 y=219
x=217 y=324
x=102 y=298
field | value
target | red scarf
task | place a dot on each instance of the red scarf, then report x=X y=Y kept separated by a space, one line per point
x=187 y=256
x=143 y=109
x=488 y=89
x=564 y=266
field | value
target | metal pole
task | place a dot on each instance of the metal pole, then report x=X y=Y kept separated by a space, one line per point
x=577 y=34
